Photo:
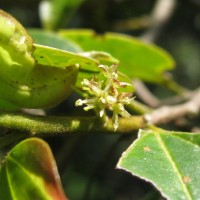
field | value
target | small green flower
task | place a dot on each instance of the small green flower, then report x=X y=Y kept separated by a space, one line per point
x=104 y=94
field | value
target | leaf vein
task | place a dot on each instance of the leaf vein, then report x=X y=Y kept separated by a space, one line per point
x=169 y=157
x=32 y=180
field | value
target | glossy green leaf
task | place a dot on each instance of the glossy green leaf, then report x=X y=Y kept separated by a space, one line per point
x=57 y=58
x=15 y=48
x=29 y=172
x=171 y=163
x=137 y=59
x=31 y=75
x=103 y=57
x=52 y=39
x=6 y=106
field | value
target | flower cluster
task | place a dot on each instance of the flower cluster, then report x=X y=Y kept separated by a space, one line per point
x=104 y=94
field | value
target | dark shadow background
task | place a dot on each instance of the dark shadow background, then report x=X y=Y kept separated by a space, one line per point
x=87 y=163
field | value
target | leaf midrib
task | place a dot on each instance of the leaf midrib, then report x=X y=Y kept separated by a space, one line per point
x=174 y=166
x=27 y=173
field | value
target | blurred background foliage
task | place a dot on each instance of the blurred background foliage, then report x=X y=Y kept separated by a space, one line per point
x=87 y=163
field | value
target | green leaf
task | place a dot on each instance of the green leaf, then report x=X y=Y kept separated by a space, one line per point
x=31 y=75
x=6 y=106
x=137 y=59
x=169 y=162
x=51 y=39
x=192 y=137
x=29 y=172
x=44 y=86
x=15 y=48
x=57 y=58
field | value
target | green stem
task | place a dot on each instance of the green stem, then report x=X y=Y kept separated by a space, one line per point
x=138 y=108
x=54 y=125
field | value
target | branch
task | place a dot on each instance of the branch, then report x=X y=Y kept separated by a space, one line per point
x=167 y=114
x=32 y=125
x=151 y=100
x=177 y=99
x=155 y=21
x=161 y=13
x=145 y=95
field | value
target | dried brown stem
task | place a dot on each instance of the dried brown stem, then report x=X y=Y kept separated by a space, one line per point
x=161 y=13
x=145 y=95
x=167 y=114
